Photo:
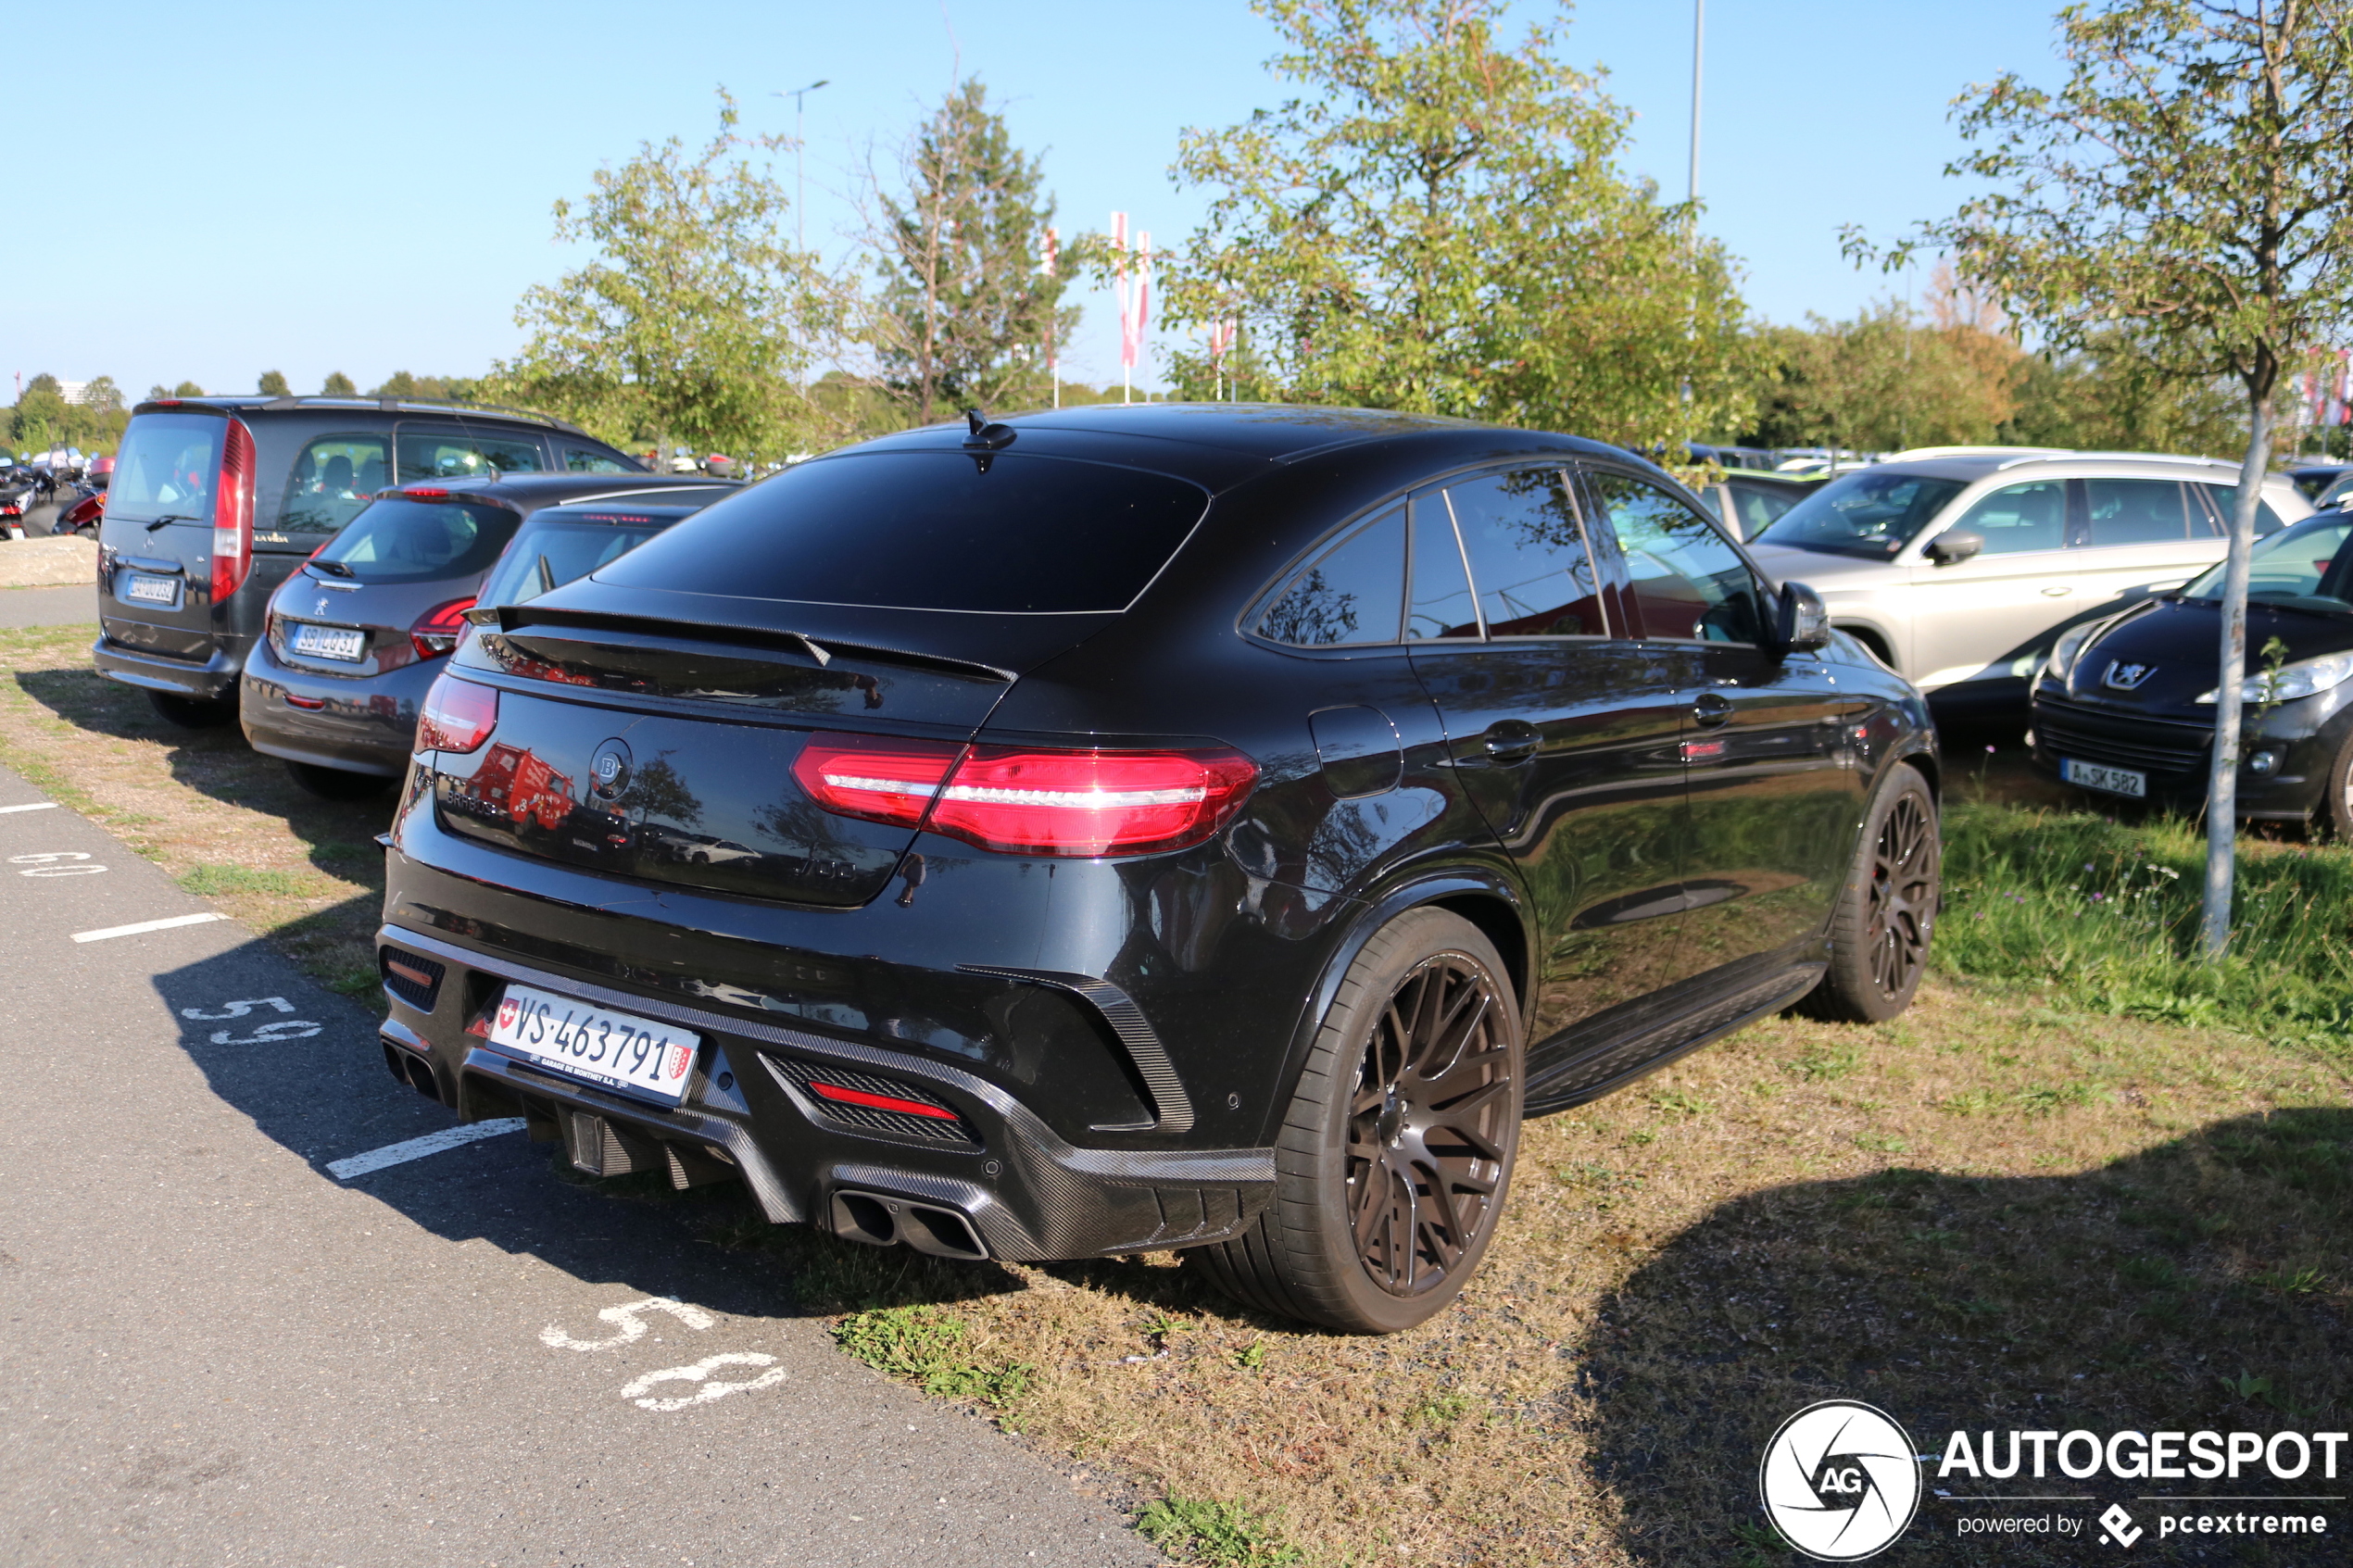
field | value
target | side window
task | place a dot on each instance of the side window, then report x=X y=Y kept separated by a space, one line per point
x=454 y=452
x=331 y=480
x=2222 y=498
x=1687 y=583
x=580 y=460
x=2134 y=511
x=1529 y=556
x=1352 y=594
x=1441 y=603
x=2019 y=518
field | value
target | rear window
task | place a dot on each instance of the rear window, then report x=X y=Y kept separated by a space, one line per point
x=931 y=530
x=169 y=466
x=396 y=541
x=561 y=542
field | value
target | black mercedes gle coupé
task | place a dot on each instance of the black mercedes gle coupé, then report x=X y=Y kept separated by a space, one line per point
x=1175 y=826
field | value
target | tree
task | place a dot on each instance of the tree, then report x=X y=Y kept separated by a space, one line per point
x=2192 y=178
x=42 y=382
x=1438 y=223
x=273 y=385
x=1882 y=381
x=190 y=389
x=2113 y=395
x=400 y=383
x=102 y=396
x=696 y=321
x=337 y=384
x=964 y=313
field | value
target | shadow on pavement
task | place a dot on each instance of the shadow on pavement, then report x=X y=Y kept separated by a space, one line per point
x=2198 y=1286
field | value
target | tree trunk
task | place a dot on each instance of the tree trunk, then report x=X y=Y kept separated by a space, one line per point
x=2222 y=788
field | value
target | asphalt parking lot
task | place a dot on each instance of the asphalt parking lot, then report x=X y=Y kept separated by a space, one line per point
x=233 y=1339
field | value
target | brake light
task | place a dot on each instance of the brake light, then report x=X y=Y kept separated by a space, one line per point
x=424 y=492
x=438 y=631
x=1027 y=800
x=232 y=513
x=458 y=715
x=881 y=1102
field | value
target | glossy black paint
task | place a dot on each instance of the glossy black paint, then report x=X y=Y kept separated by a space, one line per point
x=1652 y=870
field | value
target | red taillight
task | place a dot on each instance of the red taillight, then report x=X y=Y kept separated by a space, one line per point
x=880 y=1102
x=439 y=630
x=458 y=715
x=1029 y=801
x=424 y=492
x=232 y=513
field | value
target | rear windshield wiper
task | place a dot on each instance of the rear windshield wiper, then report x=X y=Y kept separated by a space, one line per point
x=333 y=567
x=171 y=517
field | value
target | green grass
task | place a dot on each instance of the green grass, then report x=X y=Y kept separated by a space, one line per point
x=1223 y=1534
x=2106 y=913
x=926 y=1346
x=213 y=882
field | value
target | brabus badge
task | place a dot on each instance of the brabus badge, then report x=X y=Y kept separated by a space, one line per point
x=609 y=769
x=2123 y=677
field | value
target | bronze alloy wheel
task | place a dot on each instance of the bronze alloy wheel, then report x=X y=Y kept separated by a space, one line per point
x=1426 y=1141
x=1903 y=894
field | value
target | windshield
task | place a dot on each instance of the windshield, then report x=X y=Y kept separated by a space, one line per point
x=1872 y=514
x=168 y=466
x=2306 y=566
x=562 y=543
x=402 y=541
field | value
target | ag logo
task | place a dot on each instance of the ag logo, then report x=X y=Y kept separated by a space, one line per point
x=2124 y=677
x=609 y=769
x=1839 y=1480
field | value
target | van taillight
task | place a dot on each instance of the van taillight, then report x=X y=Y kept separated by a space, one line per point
x=232 y=513
x=458 y=715
x=1030 y=800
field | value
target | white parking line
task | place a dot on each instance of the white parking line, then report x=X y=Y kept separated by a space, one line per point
x=143 y=926
x=36 y=806
x=417 y=1148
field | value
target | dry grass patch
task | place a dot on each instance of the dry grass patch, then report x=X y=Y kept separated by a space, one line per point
x=227 y=823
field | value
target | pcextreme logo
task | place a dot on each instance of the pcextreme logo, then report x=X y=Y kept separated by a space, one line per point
x=1840 y=1481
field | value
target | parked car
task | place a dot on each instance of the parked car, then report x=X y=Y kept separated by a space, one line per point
x=354 y=638
x=217 y=500
x=2125 y=705
x=1135 y=828
x=2315 y=479
x=1748 y=503
x=1953 y=569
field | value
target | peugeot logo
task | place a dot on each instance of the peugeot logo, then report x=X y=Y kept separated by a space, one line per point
x=323 y=605
x=609 y=769
x=2124 y=677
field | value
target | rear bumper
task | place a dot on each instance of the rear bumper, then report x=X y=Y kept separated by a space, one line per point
x=211 y=680
x=361 y=725
x=1027 y=1193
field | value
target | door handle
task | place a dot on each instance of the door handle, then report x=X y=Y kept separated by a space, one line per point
x=1710 y=710
x=1511 y=741
x=2056 y=593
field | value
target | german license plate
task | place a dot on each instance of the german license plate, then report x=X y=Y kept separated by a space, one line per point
x=601 y=1045
x=146 y=590
x=330 y=642
x=2095 y=775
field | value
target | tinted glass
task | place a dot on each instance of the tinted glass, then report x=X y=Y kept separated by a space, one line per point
x=169 y=466
x=452 y=452
x=1441 y=597
x=2290 y=566
x=2019 y=518
x=930 y=531
x=1352 y=594
x=2134 y=511
x=1688 y=584
x=1528 y=555
x=419 y=541
x=581 y=460
x=331 y=480
x=1758 y=507
x=2223 y=499
x=1872 y=514
x=561 y=542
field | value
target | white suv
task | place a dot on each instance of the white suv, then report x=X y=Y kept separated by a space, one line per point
x=1956 y=567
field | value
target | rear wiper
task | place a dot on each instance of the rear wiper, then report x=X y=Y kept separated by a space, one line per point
x=335 y=567
x=547 y=576
x=171 y=517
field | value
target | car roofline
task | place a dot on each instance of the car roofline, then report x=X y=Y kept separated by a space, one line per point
x=381 y=404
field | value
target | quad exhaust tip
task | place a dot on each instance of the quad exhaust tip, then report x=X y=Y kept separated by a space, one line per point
x=883 y=1219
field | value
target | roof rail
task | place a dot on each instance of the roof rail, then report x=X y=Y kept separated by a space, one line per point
x=387 y=405
x=1923 y=454
x=2122 y=457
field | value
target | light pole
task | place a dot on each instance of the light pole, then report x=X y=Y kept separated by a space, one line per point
x=800 y=185
x=1699 y=38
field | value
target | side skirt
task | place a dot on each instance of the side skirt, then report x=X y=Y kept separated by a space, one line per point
x=1612 y=1064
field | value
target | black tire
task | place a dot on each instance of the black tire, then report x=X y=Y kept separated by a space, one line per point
x=1353 y=1239
x=335 y=783
x=2334 y=816
x=1886 y=912
x=192 y=712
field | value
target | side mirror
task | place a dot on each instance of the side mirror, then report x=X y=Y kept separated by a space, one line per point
x=1955 y=545
x=1803 y=623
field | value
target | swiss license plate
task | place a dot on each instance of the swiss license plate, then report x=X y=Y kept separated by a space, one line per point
x=595 y=1043
x=143 y=589
x=330 y=642
x=2095 y=775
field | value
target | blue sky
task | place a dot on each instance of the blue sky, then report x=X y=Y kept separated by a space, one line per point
x=317 y=187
